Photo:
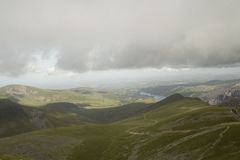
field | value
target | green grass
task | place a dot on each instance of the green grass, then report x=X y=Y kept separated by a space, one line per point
x=10 y=157
x=182 y=129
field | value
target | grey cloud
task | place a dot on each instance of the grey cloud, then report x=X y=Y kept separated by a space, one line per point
x=126 y=34
x=10 y=61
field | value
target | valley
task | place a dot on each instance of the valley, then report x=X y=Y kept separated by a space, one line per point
x=176 y=128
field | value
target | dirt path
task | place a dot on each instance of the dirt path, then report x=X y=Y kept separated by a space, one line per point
x=135 y=133
x=214 y=144
x=187 y=138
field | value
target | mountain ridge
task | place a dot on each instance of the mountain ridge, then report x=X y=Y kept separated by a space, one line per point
x=64 y=114
x=186 y=128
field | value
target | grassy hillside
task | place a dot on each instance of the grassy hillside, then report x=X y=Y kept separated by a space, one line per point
x=180 y=129
x=16 y=118
x=65 y=111
x=13 y=119
x=85 y=97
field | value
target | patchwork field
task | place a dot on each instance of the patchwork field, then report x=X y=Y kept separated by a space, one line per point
x=84 y=97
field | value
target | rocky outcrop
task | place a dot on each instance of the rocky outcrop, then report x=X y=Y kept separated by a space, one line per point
x=228 y=95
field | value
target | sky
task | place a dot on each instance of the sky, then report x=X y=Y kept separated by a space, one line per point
x=71 y=43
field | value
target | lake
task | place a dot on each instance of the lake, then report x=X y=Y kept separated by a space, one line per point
x=157 y=98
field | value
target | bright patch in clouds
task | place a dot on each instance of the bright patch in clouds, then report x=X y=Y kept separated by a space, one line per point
x=44 y=62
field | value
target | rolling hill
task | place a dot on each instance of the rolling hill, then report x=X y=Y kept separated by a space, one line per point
x=85 y=97
x=177 y=128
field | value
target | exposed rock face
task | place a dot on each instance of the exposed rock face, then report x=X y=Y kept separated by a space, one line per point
x=213 y=92
x=230 y=94
x=17 y=90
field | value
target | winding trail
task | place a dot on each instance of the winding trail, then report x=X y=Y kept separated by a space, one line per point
x=132 y=132
x=187 y=138
x=214 y=144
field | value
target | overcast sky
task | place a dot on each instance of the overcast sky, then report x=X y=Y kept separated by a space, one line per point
x=41 y=40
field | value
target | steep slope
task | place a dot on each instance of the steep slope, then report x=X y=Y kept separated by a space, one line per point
x=15 y=118
x=10 y=111
x=181 y=129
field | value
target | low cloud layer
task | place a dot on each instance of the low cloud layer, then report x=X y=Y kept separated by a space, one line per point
x=126 y=34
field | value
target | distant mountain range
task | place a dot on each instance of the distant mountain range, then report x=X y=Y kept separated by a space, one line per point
x=213 y=92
